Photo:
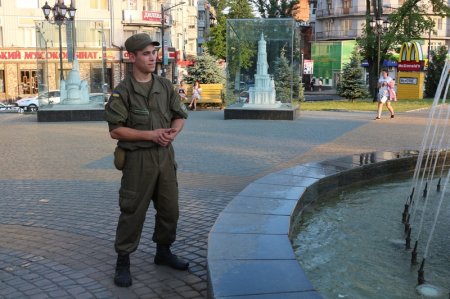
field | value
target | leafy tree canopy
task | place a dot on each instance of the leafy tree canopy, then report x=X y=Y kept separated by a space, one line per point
x=275 y=8
x=434 y=71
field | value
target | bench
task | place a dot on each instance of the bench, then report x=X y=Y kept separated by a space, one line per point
x=211 y=96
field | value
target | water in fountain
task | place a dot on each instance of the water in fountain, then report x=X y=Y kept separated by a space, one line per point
x=351 y=244
x=365 y=266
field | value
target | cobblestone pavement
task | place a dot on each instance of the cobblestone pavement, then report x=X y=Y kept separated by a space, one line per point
x=59 y=194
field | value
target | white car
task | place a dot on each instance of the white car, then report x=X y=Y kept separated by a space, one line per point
x=32 y=104
x=8 y=108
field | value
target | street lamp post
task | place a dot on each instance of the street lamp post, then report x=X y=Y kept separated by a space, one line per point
x=163 y=44
x=59 y=12
x=379 y=26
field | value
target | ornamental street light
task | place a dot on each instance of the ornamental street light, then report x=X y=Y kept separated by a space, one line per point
x=379 y=26
x=163 y=44
x=59 y=17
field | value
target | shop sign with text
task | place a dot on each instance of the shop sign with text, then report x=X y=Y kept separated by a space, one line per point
x=16 y=55
x=412 y=81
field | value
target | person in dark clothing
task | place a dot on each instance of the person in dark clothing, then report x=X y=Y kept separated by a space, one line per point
x=145 y=115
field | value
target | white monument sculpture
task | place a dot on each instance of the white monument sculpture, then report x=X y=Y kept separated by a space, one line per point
x=262 y=95
x=74 y=90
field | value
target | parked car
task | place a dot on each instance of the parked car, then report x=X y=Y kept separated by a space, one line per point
x=32 y=104
x=8 y=108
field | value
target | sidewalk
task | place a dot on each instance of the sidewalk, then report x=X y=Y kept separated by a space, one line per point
x=59 y=194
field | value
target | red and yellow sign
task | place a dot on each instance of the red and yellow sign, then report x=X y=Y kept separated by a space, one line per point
x=410 y=76
x=411 y=57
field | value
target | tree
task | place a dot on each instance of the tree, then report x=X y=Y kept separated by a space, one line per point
x=275 y=8
x=434 y=71
x=351 y=86
x=205 y=70
x=237 y=9
x=409 y=22
x=283 y=77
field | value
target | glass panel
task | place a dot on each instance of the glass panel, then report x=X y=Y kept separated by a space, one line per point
x=254 y=45
x=81 y=84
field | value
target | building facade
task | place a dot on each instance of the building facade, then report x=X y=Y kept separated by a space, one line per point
x=336 y=22
x=29 y=44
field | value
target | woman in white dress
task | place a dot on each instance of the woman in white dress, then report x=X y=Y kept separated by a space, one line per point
x=196 y=95
x=386 y=94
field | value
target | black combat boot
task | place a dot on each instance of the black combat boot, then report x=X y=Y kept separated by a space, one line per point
x=165 y=257
x=123 y=275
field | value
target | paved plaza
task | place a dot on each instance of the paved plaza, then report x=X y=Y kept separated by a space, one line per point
x=59 y=193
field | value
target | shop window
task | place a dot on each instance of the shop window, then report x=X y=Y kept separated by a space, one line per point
x=2 y=81
x=28 y=82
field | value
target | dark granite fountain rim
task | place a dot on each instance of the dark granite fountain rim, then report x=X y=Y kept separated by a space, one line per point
x=249 y=249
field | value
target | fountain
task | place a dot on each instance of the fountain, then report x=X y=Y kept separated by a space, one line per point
x=74 y=91
x=423 y=222
x=82 y=92
x=248 y=246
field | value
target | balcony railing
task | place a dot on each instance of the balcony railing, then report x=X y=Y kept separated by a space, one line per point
x=338 y=34
x=340 y=11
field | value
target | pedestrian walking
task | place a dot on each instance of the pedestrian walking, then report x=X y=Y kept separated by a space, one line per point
x=320 y=84
x=145 y=115
x=312 y=83
x=386 y=94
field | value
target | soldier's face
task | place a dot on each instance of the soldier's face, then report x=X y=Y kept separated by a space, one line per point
x=145 y=60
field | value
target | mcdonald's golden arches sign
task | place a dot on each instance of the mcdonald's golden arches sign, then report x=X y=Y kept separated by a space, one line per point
x=411 y=57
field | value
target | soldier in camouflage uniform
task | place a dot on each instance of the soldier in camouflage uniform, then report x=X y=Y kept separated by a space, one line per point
x=144 y=114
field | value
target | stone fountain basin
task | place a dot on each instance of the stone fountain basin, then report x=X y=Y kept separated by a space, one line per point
x=249 y=249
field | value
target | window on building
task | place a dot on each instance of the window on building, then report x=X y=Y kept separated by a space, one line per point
x=2 y=81
x=149 y=5
x=128 y=33
x=26 y=4
x=99 y=4
x=439 y=24
x=132 y=4
x=328 y=26
x=28 y=36
x=347 y=26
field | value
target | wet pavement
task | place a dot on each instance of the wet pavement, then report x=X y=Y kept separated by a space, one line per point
x=59 y=194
